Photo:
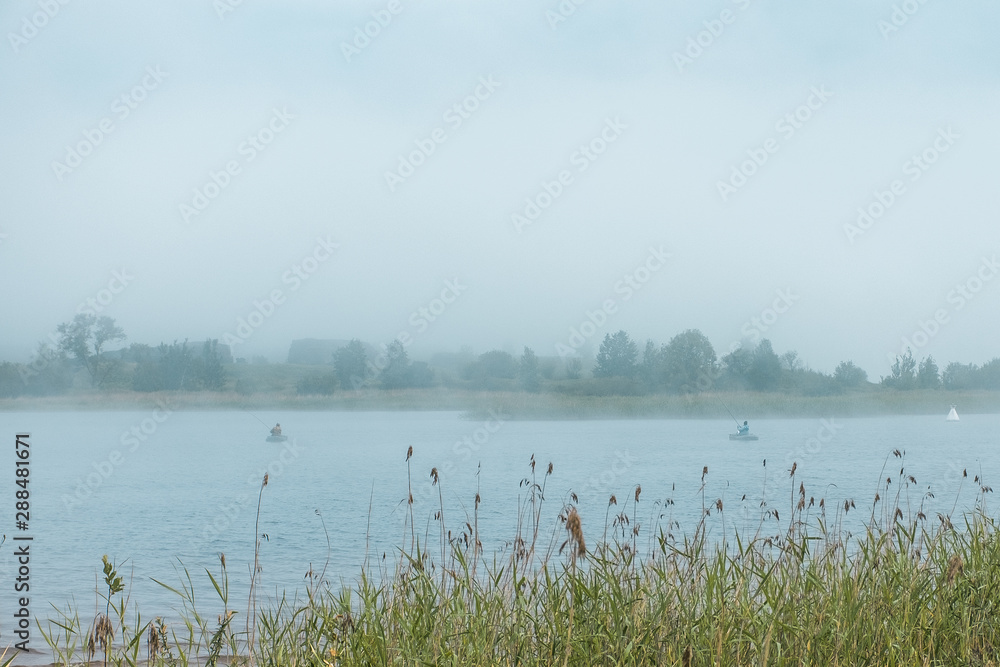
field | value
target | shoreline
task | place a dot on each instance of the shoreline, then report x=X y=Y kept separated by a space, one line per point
x=543 y=406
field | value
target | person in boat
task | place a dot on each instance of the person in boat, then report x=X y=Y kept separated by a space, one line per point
x=743 y=430
x=276 y=430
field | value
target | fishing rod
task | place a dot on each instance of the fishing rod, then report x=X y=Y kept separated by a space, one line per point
x=256 y=417
x=730 y=413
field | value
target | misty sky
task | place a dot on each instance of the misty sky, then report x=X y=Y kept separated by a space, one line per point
x=829 y=107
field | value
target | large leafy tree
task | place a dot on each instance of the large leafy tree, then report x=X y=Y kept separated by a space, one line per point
x=686 y=359
x=396 y=372
x=491 y=366
x=765 y=367
x=650 y=366
x=85 y=339
x=350 y=363
x=211 y=374
x=618 y=356
x=737 y=365
x=928 y=375
x=902 y=374
x=848 y=375
x=527 y=370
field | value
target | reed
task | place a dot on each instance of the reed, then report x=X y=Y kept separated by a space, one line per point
x=908 y=589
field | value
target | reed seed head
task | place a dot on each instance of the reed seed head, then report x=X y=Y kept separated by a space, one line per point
x=955 y=567
x=265 y=481
x=638 y=490
x=795 y=465
x=409 y=452
x=575 y=530
x=434 y=476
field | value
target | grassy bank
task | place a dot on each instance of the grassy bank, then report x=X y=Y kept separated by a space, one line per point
x=521 y=405
x=910 y=590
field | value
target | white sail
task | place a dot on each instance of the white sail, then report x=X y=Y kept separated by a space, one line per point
x=952 y=415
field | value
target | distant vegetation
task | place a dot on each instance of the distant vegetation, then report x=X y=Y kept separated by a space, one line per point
x=687 y=365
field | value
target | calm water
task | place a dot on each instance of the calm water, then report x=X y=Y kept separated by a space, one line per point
x=187 y=490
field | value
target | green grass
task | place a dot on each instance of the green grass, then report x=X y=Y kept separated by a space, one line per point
x=911 y=589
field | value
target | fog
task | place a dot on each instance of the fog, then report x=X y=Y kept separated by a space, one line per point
x=647 y=166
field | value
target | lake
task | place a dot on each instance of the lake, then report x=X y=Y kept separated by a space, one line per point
x=157 y=487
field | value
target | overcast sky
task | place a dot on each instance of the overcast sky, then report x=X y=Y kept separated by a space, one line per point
x=369 y=175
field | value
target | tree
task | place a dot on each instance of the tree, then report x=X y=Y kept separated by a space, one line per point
x=85 y=338
x=490 y=367
x=848 y=375
x=175 y=365
x=790 y=361
x=350 y=363
x=527 y=371
x=650 y=367
x=765 y=367
x=901 y=374
x=421 y=374
x=686 y=360
x=959 y=376
x=574 y=367
x=211 y=374
x=396 y=373
x=617 y=357
x=988 y=375
x=928 y=376
x=737 y=365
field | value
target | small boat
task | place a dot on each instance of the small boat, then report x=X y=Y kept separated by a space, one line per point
x=277 y=438
x=746 y=436
x=952 y=415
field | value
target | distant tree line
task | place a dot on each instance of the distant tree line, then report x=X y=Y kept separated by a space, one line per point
x=81 y=349
x=686 y=364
